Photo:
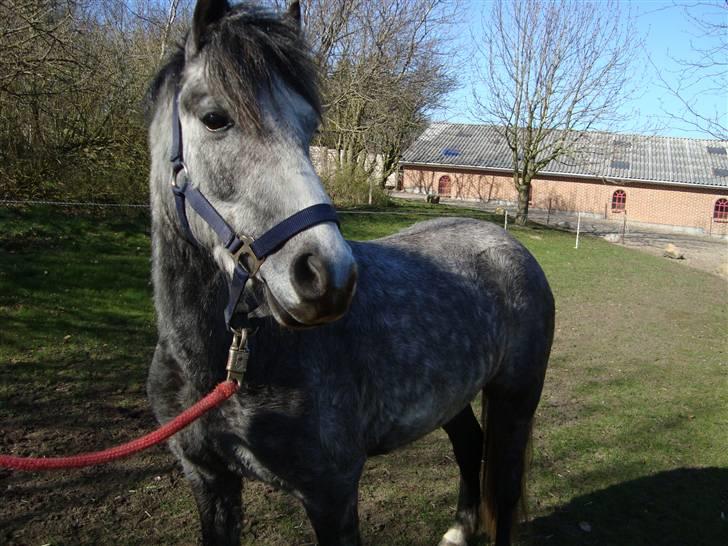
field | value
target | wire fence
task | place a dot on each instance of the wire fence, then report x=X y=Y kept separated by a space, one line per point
x=101 y=205
x=89 y=204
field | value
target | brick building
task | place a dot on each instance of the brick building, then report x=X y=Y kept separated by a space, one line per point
x=674 y=182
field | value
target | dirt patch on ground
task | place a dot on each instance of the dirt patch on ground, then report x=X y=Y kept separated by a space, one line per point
x=704 y=253
x=709 y=254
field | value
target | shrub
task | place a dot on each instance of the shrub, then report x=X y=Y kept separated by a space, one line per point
x=349 y=185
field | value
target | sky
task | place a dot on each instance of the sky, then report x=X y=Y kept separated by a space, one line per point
x=667 y=35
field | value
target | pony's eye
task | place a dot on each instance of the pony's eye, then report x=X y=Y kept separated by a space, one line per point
x=216 y=121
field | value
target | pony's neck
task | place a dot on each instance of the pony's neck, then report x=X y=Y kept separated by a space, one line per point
x=190 y=295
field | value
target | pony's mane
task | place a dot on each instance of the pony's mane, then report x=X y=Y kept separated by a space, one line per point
x=245 y=52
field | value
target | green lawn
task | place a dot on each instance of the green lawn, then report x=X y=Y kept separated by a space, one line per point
x=631 y=440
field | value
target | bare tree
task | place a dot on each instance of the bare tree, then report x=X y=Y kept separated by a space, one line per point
x=72 y=77
x=384 y=65
x=73 y=74
x=549 y=71
x=705 y=75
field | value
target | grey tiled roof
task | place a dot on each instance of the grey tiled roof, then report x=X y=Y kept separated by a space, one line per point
x=654 y=159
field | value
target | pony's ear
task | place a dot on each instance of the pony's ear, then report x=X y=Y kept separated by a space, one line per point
x=207 y=12
x=294 y=13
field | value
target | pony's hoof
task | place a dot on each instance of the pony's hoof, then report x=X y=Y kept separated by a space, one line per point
x=454 y=537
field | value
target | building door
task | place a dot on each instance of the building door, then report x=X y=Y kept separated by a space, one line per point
x=443 y=186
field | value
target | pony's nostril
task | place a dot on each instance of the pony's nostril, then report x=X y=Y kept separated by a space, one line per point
x=310 y=276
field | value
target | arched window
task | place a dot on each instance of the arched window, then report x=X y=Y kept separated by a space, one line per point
x=444 y=185
x=619 y=200
x=720 y=211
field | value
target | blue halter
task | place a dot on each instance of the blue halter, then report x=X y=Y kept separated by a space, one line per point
x=248 y=253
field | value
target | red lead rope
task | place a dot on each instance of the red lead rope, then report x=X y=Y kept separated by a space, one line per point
x=221 y=393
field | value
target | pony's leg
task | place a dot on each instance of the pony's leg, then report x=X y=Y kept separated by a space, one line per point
x=335 y=518
x=508 y=433
x=467 y=442
x=219 y=504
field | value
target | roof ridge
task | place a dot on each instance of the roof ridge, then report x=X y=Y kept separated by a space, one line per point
x=594 y=132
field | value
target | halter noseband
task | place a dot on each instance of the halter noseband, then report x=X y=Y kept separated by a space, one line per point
x=248 y=253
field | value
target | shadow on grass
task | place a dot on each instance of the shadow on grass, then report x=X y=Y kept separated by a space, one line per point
x=59 y=505
x=676 y=507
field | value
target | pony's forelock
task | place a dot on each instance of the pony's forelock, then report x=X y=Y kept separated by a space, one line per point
x=245 y=53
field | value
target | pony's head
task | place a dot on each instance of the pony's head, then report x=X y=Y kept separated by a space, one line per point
x=248 y=108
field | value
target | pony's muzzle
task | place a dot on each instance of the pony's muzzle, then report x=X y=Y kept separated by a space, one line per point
x=324 y=287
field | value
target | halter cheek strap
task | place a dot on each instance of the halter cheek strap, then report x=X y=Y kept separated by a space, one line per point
x=247 y=252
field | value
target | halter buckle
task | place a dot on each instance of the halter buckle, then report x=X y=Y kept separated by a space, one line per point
x=252 y=262
x=238 y=356
x=178 y=168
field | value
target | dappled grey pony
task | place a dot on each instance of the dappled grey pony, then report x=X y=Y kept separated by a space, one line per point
x=360 y=348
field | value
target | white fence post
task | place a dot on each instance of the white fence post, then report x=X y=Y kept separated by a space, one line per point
x=578 y=229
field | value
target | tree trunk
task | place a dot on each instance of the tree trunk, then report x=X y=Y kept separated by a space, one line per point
x=171 y=16
x=389 y=162
x=523 y=192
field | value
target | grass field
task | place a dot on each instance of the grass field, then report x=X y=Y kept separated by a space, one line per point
x=631 y=440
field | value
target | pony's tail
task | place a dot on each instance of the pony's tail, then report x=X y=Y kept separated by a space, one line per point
x=494 y=468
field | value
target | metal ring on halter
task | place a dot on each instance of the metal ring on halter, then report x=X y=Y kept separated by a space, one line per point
x=175 y=173
x=252 y=262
